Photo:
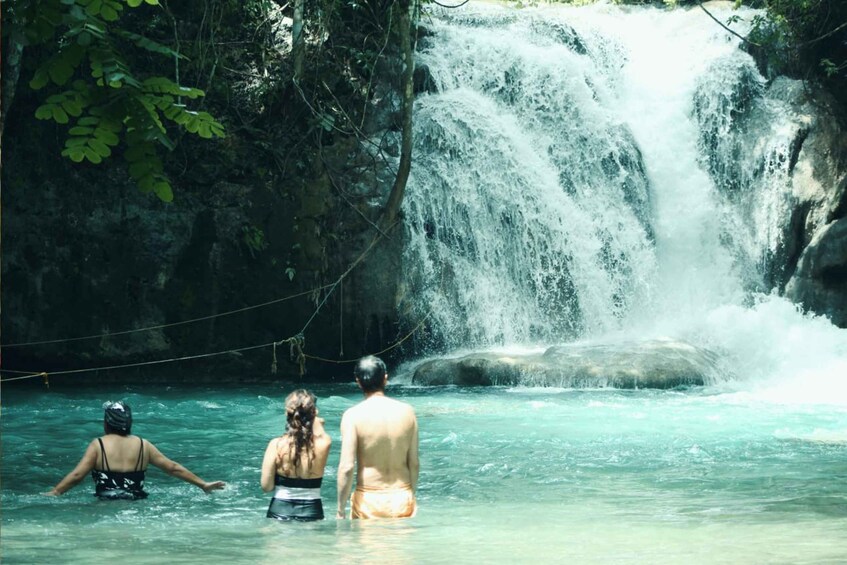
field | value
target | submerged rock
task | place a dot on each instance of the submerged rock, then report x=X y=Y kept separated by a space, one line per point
x=659 y=364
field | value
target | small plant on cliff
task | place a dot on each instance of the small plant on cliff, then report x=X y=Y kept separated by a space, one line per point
x=254 y=239
x=84 y=62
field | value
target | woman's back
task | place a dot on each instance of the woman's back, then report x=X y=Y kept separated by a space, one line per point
x=122 y=453
x=312 y=459
x=293 y=466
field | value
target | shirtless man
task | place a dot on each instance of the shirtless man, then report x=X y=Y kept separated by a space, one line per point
x=379 y=438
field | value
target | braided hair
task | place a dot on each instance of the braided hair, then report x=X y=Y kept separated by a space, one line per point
x=300 y=412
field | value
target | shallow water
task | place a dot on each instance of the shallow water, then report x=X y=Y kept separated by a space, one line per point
x=701 y=475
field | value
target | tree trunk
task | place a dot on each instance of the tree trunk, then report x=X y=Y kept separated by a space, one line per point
x=11 y=72
x=395 y=199
x=297 y=39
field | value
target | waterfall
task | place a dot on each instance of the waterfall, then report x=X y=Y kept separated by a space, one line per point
x=588 y=173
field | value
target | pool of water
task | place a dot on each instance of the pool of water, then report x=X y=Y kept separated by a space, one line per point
x=507 y=474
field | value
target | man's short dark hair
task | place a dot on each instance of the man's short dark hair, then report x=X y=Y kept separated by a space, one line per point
x=370 y=371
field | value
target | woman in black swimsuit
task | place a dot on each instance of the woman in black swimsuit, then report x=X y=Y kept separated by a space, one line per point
x=294 y=463
x=117 y=461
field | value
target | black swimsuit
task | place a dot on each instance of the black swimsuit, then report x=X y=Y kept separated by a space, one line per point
x=126 y=485
x=296 y=499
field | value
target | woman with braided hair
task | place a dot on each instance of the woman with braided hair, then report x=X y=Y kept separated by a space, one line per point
x=294 y=463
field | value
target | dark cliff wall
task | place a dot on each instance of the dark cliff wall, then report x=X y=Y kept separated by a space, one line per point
x=256 y=218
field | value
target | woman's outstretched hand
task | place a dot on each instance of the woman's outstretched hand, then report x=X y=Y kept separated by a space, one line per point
x=209 y=487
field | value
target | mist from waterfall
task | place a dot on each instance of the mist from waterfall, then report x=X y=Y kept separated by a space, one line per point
x=584 y=174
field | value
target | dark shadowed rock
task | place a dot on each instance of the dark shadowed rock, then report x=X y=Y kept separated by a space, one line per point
x=821 y=278
x=659 y=364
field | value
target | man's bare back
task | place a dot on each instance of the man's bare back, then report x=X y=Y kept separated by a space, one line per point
x=379 y=439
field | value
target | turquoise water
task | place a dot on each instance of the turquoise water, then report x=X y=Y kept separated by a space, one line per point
x=703 y=475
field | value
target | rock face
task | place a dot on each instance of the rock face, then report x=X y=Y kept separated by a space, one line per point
x=820 y=282
x=658 y=364
x=814 y=272
x=86 y=254
x=789 y=183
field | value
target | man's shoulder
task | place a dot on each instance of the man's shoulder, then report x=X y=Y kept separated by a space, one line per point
x=401 y=403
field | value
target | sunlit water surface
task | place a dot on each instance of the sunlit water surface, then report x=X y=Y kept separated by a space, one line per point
x=702 y=475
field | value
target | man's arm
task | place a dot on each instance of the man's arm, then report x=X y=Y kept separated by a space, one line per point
x=174 y=469
x=412 y=458
x=347 y=463
x=72 y=479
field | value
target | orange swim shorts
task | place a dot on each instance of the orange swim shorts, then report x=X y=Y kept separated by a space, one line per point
x=383 y=503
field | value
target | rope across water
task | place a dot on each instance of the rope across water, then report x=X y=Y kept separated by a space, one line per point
x=296 y=342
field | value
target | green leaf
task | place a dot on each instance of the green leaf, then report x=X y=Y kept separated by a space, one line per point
x=101 y=148
x=146 y=183
x=108 y=13
x=152 y=2
x=59 y=115
x=172 y=111
x=79 y=130
x=112 y=125
x=84 y=38
x=72 y=107
x=193 y=125
x=39 y=80
x=134 y=3
x=75 y=154
x=75 y=142
x=106 y=136
x=88 y=121
x=93 y=8
x=163 y=191
x=44 y=112
x=135 y=153
x=139 y=169
x=92 y=155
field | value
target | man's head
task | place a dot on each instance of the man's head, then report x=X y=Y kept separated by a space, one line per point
x=117 y=418
x=371 y=374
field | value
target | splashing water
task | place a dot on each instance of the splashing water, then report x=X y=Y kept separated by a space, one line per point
x=598 y=173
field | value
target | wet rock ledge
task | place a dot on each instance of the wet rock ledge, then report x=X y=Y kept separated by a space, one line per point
x=654 y=364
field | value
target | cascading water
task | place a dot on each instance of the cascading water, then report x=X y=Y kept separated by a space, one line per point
x=585 y=174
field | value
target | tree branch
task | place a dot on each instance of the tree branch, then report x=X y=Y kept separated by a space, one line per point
x=723 y=25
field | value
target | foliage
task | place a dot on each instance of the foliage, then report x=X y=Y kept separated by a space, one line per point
x=85 y=60
x=254 y=239
x=805 y=38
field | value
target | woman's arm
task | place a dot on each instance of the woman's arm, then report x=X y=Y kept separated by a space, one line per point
x=269 y=466
x=174 y=469
x=72 y=479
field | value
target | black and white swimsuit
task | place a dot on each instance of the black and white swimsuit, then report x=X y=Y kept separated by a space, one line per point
x=296 y=499
x=112 y=485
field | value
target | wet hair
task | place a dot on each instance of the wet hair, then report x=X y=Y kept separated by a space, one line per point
x=371 y=371
x=117 y=416
x=300 y=412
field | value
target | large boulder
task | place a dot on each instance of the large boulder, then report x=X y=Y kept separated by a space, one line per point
x=659 y=364
x=820 y=282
